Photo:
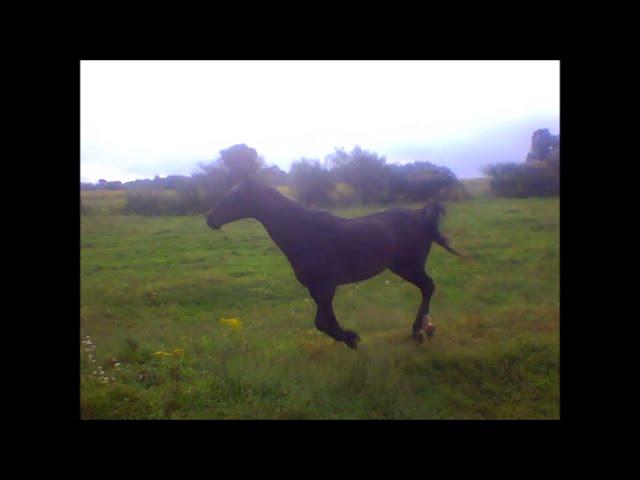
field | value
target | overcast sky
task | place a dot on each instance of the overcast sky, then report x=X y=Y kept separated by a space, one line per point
x=145 y=118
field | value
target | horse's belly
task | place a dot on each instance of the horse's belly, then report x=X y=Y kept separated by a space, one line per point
x=351 y=257
x=357 y=275
x=334 y=268
x=366 y=260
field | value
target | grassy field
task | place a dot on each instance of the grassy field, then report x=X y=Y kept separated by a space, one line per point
x=478 y=187
x=181 y=322
x=102 y=202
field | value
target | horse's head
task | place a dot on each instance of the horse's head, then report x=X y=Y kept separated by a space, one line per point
x=237 y=203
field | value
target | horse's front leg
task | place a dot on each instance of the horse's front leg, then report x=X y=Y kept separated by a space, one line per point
x=326 y=320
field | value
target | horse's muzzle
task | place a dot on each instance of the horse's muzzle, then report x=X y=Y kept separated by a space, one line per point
x=212 y=224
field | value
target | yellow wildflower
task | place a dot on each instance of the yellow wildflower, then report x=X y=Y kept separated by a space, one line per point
x=160 y=353
x=178 y=352
x=233 y=323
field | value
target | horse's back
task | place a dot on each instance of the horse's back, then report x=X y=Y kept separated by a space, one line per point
x=346 y=250
x=342 y=250
x=411 y=237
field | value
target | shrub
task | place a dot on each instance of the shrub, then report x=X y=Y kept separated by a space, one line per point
x=343 y=195
x=538 y=176
x=197 y=196
x=421 y=181
x=519 y=180
x=311 y=183
x=365 y=171
x=155 y=202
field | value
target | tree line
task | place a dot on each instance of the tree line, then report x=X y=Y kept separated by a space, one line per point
x=343 y=178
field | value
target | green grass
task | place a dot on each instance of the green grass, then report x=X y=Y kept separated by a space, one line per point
x=153 y=284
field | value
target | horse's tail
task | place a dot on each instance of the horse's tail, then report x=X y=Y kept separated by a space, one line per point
x=433 y=212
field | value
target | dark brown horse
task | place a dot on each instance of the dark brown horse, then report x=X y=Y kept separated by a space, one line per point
x=326 y=251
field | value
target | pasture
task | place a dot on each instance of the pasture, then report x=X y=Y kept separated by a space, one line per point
x=182 y=322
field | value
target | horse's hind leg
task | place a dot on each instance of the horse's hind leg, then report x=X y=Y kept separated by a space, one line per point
x=326 y=320
x=424 y=282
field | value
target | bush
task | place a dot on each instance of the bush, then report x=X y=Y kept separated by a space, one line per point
x=538 y=176
x=154 y=202
x=364 y=171
x=343 y=195
x=519 y=180
x=311 y=183
x=421 y=181
x=165 y=202
x=198 y=196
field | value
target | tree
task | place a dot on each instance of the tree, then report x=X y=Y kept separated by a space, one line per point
x=311 y=183
x=240 y=160
x=542 y=144
x=174 y=182
x=364 y=171
x=539 y=175
x=206 y=188
x=115 y=185
x=273 y=176
x=419 y=181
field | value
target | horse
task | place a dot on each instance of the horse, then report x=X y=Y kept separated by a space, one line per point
x=326 y=251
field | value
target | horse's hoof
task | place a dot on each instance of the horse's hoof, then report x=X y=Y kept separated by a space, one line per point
x=418 y=336
x=351 y=339
x=430 y=330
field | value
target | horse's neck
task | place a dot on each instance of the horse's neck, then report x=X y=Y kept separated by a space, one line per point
x=283 y=219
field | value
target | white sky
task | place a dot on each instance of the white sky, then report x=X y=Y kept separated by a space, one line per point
x=142 y=118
